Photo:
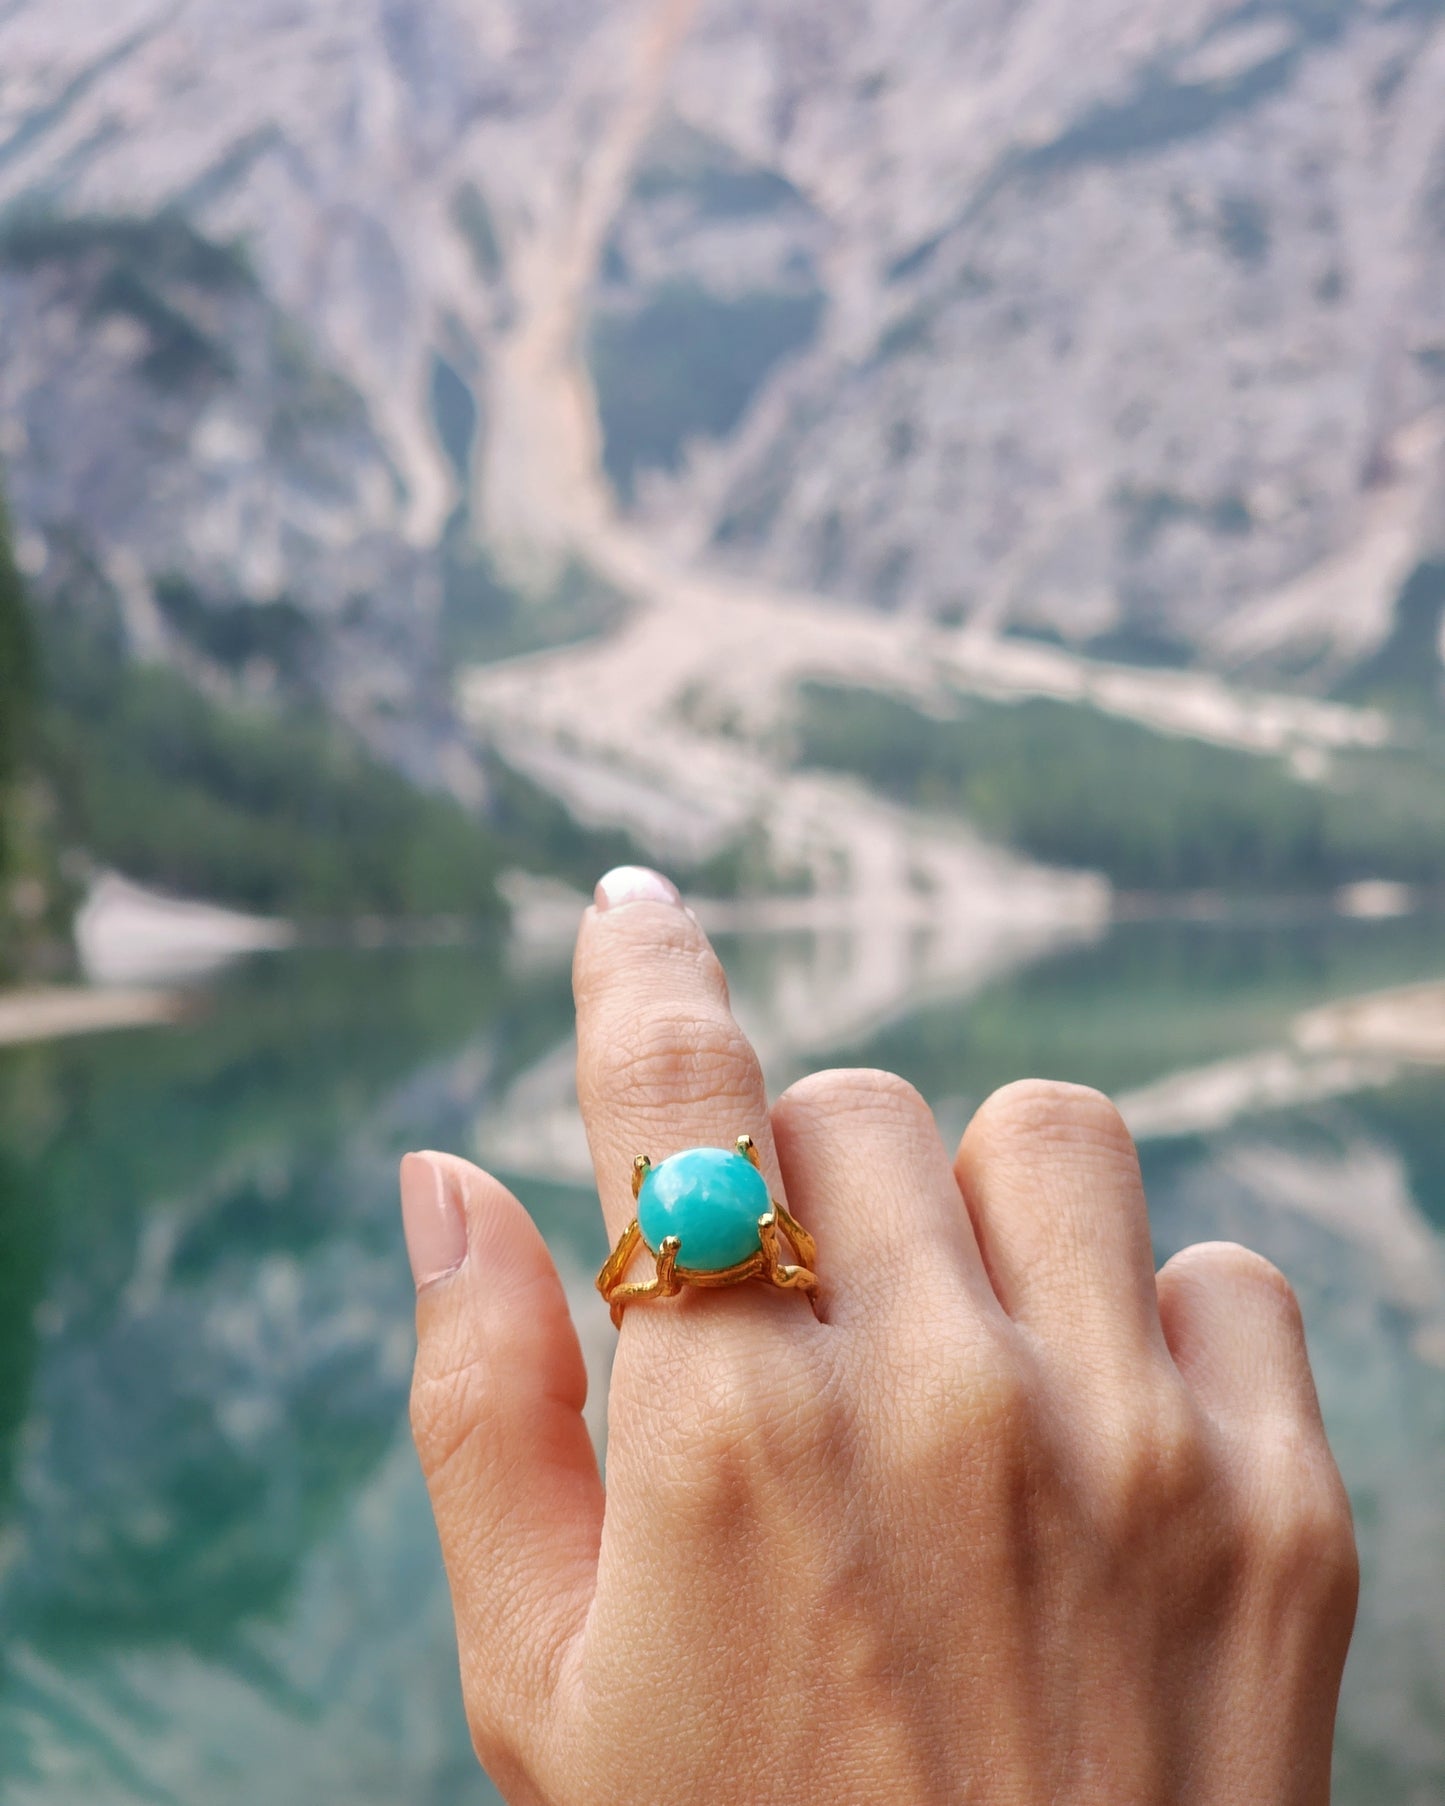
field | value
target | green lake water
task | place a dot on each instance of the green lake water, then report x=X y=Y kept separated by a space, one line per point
x=218 y=1577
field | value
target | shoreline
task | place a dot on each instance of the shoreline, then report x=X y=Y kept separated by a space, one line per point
x=40 y=1013
x=155 y=950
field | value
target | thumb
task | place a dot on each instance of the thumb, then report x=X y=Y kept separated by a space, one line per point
x=496 y=1412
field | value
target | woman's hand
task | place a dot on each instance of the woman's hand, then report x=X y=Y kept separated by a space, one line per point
x=1010 y=1521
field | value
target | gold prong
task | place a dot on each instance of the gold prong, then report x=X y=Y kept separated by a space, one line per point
x=768 y=1236
x=746 y=1148
x=641 y=1166
x=668 y=1284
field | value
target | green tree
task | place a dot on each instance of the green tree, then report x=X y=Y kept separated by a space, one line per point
x=17 y=674
x=1156 y=812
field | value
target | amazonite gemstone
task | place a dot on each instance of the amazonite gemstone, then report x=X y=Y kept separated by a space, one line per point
x=710 y=1199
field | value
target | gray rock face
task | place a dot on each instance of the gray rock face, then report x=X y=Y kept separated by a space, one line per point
x=1135 y=313
x=172 y=430
x=1124 y=324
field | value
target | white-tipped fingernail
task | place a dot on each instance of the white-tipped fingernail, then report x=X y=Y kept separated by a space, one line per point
x=633 y=884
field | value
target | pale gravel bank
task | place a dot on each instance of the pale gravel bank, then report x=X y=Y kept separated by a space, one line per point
x=126 y=934
x=51 y=1012
x=136 y=948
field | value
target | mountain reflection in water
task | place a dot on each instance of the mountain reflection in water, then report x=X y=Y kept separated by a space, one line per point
x=218 y=1577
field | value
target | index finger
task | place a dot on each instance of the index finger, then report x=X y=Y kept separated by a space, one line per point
x=662 y=1064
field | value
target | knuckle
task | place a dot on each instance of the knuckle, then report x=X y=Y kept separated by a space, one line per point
x=758 y=1419
x=662 y=1055
x=732 y=1419
x=628 y=952
x=1233 y=1264
x=439 y=1403
x=445 y=1412
x=855 y=1091
x=977 y=1414
x=1001 y=1403
x=1157 y=1469
x=456 y=1404
x=1049 y=1110
x=1302 y=1531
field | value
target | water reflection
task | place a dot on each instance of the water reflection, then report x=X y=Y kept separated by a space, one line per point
x=217 y=1575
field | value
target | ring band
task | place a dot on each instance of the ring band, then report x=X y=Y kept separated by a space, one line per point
x=709 y=1207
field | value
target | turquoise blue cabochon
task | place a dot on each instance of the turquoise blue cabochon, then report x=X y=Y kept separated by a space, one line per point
x=710 y=1199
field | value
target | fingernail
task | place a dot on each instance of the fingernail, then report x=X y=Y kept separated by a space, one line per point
x=432 y=1219
x=633 y=884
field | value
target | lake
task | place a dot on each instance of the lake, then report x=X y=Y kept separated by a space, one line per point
x=218 y=1577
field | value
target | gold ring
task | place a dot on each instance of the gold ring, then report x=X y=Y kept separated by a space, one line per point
x=710 y=1205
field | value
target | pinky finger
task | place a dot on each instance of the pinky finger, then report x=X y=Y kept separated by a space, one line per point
x=1233 y=1325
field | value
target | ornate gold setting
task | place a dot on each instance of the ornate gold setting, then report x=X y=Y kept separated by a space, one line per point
x=669 y=1278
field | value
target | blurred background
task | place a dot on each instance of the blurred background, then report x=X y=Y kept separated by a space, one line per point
x=959 y=483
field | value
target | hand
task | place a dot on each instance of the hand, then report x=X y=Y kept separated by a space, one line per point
x=1011 y=1521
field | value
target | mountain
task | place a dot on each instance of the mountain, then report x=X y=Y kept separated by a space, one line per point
x=344 y=347
x=1134 y=321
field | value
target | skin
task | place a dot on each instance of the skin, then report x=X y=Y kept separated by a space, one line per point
x=1012 y=1519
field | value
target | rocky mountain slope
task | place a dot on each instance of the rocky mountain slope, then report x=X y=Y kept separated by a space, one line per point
x=1121 y=327
x=1134 y=318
